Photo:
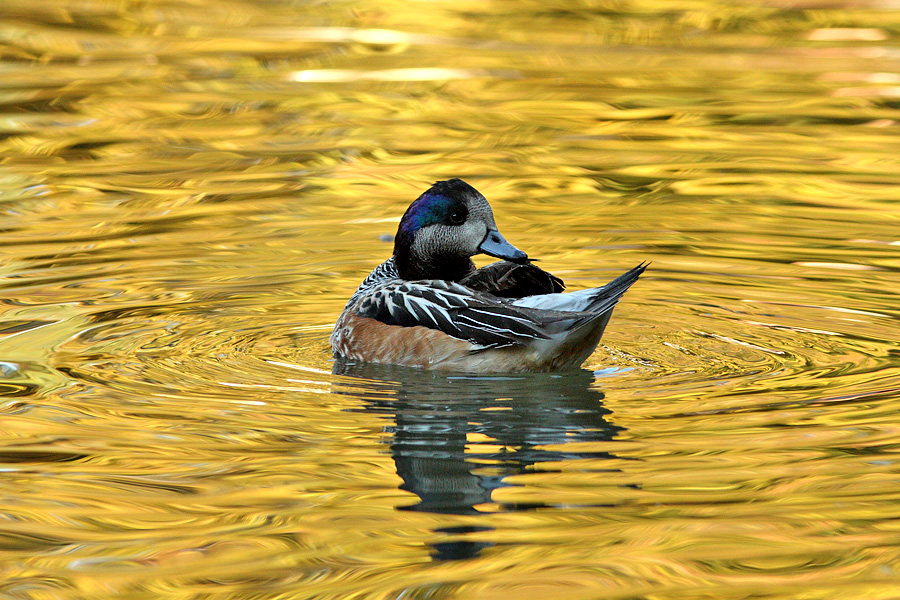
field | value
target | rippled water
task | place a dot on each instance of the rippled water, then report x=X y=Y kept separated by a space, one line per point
x=190 y=191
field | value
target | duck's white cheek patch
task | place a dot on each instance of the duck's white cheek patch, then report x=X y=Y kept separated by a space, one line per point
x=479 y=232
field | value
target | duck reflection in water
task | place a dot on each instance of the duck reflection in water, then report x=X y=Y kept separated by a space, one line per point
x=457 y=438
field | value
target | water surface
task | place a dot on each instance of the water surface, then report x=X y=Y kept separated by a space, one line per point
x=190 y=192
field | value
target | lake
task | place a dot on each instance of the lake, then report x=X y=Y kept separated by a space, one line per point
x=191 y=191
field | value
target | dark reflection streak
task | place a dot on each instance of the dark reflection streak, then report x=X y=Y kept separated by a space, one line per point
x=15 y=455
x=456 y=439
x=13 y=390
x=10 y=327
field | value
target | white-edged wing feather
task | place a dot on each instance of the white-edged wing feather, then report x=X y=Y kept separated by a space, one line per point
x=454 y=309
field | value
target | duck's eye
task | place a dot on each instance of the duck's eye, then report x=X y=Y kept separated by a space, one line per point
x=458 y=217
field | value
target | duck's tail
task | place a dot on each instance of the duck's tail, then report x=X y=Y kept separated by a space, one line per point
x=608 y=296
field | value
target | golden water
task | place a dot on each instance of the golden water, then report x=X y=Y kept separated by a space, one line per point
x=191 y=190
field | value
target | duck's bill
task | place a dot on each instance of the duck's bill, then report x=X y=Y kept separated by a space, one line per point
x=494 y=244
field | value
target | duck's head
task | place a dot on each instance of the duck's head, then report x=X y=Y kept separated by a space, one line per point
x=443 y=228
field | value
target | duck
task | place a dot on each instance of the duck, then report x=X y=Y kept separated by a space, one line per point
x=429 y=307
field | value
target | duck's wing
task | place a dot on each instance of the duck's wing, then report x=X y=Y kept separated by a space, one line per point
x=507 y=279
x=455 y=310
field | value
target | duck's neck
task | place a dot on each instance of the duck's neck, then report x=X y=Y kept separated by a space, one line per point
x=446 y=267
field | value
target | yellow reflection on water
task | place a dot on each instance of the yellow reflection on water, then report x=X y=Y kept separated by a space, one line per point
x=190 y=192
